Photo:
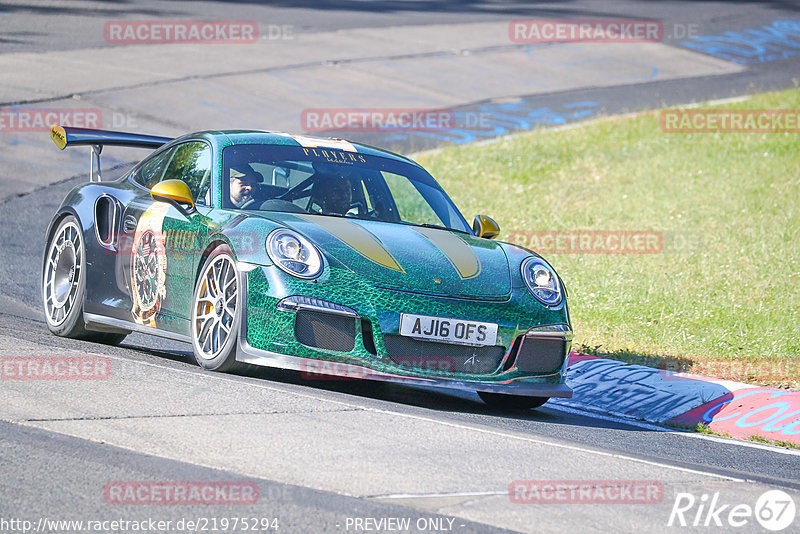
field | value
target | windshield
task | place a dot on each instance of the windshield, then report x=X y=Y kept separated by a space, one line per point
x=336 y=183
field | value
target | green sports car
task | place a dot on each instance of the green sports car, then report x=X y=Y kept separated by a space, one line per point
x=318 y=255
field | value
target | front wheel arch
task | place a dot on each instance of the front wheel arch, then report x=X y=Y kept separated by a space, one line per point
x=211 y=246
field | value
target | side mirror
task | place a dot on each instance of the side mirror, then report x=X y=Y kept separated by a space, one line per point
x=485 y=227
x=174 y=192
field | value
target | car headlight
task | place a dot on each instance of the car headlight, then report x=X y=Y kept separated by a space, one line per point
x=294 y=254
x=542 y=281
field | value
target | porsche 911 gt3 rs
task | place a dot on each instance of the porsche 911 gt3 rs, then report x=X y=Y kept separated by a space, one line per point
x=317 y=255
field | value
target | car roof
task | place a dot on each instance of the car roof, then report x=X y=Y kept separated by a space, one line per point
x=248 y=137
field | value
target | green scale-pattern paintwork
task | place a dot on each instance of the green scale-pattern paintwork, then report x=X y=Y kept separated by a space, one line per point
x=273 y=330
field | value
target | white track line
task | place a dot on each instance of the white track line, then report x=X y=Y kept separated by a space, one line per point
x=459 y=426
x=554 y=404
x=435 y=495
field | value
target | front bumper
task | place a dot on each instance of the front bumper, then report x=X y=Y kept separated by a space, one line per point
x=313 y=367
x=272 y=342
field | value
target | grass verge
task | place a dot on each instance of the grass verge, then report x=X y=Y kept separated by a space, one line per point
x=722 y=295
x=704 y=429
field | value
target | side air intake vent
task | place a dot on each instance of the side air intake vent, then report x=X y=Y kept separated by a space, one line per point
x=106 y=221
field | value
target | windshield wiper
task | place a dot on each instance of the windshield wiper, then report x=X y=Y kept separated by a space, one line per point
x=438 y=227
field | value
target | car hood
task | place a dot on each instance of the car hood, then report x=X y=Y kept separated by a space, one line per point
x=409 y=258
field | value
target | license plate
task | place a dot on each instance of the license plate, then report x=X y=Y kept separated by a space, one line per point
x=447 y=330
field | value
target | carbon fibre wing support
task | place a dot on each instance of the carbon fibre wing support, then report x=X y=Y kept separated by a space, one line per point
x=65 y=136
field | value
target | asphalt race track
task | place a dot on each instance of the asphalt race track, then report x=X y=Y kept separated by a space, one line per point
x=340 y=455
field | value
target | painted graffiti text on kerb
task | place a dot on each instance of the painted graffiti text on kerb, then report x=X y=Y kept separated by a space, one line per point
x=771 y=42
x=500 y=118
x=781 y=416
x=641 y=391
x=630 y=389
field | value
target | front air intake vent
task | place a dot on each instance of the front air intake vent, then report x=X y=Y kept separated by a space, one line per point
x=416 y=355
x=326 y=331
x=541 y=354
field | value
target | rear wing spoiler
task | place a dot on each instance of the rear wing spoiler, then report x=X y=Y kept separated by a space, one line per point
x=66 y=136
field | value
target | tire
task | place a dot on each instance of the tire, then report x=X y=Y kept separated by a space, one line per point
x=107 y=338
x=64 y=285
x=504 y=401
x=216 y=314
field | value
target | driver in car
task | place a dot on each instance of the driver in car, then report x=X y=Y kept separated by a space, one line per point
x=243 y=181
x=333 y=193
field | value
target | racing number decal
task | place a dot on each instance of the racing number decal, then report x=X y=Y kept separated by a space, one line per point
x=149 y=265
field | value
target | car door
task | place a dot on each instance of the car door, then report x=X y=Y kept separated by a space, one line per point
x=164 y=242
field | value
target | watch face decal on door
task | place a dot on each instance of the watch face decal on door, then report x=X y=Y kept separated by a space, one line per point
x=149 y=266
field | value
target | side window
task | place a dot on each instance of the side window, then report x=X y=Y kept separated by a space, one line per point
x=151 y=172
x=191 y=162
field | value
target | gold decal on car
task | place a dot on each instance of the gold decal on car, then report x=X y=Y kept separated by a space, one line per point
x=357 y=238
x=457 y=251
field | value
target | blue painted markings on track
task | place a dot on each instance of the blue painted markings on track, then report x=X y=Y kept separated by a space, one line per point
x=496 y=119
x=778 y=40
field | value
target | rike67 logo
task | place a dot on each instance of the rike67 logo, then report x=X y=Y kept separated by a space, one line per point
x=774 y=510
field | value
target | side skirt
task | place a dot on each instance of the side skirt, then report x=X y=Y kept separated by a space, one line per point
x=110 y=324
